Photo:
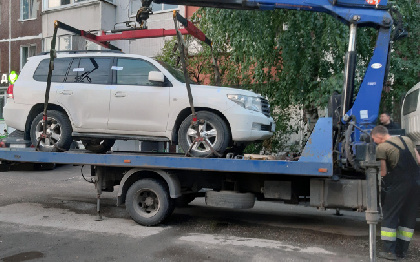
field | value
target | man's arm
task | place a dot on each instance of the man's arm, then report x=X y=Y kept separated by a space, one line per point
x=383 y=167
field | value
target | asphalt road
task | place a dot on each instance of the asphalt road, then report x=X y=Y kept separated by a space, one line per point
x=50 y=216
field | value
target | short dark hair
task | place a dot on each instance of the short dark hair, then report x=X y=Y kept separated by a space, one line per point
x=380 y=130
x=386 y=113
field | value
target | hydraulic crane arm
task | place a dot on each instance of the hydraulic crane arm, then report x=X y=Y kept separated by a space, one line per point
x=354 y=13
x=369 y=14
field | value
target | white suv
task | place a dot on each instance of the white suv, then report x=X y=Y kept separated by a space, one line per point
x=100 y=97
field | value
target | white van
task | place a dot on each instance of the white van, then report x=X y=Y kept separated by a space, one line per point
x=410 y=115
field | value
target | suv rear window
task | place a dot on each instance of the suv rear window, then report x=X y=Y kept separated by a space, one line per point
x=61 y=66
x=90 y=70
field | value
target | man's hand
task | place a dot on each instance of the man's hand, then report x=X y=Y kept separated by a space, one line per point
x=383 y=168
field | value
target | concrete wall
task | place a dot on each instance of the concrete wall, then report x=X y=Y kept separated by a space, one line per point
x=89 y=16
x=148 y=47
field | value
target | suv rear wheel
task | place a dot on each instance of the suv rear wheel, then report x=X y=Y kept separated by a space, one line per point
x=58 y=131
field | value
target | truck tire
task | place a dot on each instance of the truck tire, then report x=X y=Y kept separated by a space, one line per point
x=214 y=130
x=58 y=124
x=230 y=199
x=148 y=202
x=98 y=146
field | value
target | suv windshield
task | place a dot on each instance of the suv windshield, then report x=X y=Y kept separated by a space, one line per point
x=179 y=75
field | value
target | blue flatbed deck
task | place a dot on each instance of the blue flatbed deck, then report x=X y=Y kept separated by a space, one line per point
x=169 y=161
x=316 y=158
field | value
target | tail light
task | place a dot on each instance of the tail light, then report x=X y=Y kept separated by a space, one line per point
x=10 y=92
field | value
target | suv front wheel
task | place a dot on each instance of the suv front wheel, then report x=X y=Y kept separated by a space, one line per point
x=213 y=130
x=58 y=131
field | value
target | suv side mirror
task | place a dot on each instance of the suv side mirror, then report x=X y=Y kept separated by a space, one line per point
x=155 y=76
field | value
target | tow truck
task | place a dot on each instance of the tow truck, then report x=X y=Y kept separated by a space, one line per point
x=337 y=167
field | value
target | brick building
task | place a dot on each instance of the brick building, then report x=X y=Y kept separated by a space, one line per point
x=20 y=38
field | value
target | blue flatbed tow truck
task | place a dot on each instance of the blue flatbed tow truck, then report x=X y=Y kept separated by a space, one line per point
x=337 y=168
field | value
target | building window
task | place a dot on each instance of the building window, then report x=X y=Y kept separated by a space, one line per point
x=64 y=43
x=28 y=9
x=134 y=6
x=47 y=4
x=25 y=53
x=2 y=104
x=162 y=7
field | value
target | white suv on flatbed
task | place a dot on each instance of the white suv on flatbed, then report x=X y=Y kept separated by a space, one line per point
x=100 y=97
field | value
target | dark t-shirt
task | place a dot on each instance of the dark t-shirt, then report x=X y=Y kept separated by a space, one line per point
x=392 y=125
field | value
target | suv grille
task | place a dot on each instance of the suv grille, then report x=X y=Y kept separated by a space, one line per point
x=265 y=107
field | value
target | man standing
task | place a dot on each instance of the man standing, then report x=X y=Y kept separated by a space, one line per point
x=399 y=171
x=386 y=121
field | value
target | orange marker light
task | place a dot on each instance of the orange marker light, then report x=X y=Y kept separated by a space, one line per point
x=127 y=161
x=322 y=170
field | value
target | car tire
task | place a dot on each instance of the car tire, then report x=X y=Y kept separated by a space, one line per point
x=98 y=146
x=230 y=199
x=214 y=130
x=58 y=125
x=148 y=202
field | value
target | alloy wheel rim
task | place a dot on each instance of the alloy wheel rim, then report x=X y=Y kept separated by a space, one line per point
x=208 y=132
x=54 y=131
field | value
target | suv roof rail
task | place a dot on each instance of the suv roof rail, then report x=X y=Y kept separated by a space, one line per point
x=83 y=51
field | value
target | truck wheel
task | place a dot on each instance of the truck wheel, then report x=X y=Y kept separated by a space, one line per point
x=230 y=199
x=213 y=129
x=148 y=202
x=58 y=127
x=98 y=146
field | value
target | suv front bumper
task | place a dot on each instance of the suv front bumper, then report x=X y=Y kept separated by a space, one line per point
x=248 y=125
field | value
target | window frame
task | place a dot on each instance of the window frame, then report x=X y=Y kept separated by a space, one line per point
x=45 y=4
x=22 y=63
x=163 y=10
x=134 y=12
x=32 y=16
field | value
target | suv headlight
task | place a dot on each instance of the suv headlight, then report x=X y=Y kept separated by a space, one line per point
x=247 y=102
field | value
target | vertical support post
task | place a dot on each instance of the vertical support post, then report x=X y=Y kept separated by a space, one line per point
x=372 y=213
x=100 y=172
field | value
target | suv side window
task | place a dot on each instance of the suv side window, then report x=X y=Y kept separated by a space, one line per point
x=90 y=70
x=61 y=66
x=134 y=72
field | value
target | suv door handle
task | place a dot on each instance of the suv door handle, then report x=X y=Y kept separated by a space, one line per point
x=65 y=92
x=119 y=94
